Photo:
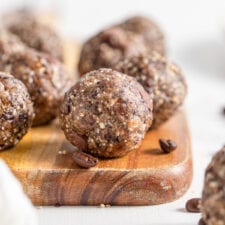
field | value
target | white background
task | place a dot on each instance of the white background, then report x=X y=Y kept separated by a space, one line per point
x=195 y=31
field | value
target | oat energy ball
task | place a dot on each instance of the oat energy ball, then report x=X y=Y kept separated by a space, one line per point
x=33 y=33
x=9 y=44
x=45 y=78
x=213 y=196
x=106 y=113
x=160 y=78
x=132 y=37
x=150 y=31
x=16 y=111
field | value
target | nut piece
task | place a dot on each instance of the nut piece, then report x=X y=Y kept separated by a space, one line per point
x=132 y=37
x=160 y=78
x=25 y=25
x=106 y=113
x=193 y=205
x=213 y=204
x=16 y=111
x=167 y=145
x=45 y=78
x=84 y=160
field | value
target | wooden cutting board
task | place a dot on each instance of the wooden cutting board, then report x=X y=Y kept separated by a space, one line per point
x=146 y=176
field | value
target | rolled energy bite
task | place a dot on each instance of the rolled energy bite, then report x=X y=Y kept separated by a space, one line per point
x=16 y=111
x=213 y=203
x=153 y=36
x=106 y=113
x=25 y=25
x=131 y=37
x=9 y=44
x=45 y=78
x=161 y=79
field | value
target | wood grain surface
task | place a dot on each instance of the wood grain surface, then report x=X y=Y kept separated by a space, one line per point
x=42 y=162
x=144 y=176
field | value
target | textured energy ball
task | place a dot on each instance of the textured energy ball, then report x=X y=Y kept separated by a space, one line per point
x=9 y=44
x=213 y=197
x=150 y=31
x=106 y=113
x=160 y=78
x=134 y=36
x=16 y=111
x=34 y=34
x=45 y=78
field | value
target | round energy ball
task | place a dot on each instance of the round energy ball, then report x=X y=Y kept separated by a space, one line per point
x=45 y=78
x=106 y=113
x=160 y=78
x=9 y=44
x=213 y=203
x=16 y=111
x=25 y=25
x=150 y=31
x=134 y=36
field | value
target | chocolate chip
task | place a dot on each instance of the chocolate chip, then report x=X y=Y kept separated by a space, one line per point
x=84 y=160
x=223 y=111
x=201 y=222
x=193 y=205
x=167 y=145
x=57 y=204
x=22 y=116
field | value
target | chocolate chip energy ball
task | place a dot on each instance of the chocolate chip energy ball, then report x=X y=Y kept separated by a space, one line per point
x=106 y=113
x=16 y=111
x=45 y=78
x=149 y=30
x=34 y=34
x=160 y=78
x=9 y=44
x=213 y=203
x=132 y=37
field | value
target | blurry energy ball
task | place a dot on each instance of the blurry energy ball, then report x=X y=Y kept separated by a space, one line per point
x=134 y=36
x=161 y=79
x=213 y=203
x=25 y=24
x=45 y=77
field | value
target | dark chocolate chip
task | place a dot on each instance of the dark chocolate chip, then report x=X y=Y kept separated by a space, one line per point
x=57 y=204
x=223 y=111
x=167 y=145
x=201 y=222
x=84 y=160
x=22 y=116
x=66 y=108
x=193 y=205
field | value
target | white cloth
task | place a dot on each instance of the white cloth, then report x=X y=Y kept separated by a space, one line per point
x=15 y=207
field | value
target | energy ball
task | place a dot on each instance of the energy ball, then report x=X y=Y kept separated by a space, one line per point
x=152 y=34
x=9 y=44
x=134 y=36
x=25 y=25
x=161 y=79
x=109 y=47
x=213 y=203
x=106 y=113
x=45 y=78
x=16 y=111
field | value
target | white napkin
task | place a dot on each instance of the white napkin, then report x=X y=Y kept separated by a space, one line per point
x=15 y=207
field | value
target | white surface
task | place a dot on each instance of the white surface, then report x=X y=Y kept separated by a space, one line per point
x=11 y=194
x=194 y=30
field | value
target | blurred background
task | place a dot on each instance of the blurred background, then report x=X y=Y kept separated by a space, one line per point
x=195 y=36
